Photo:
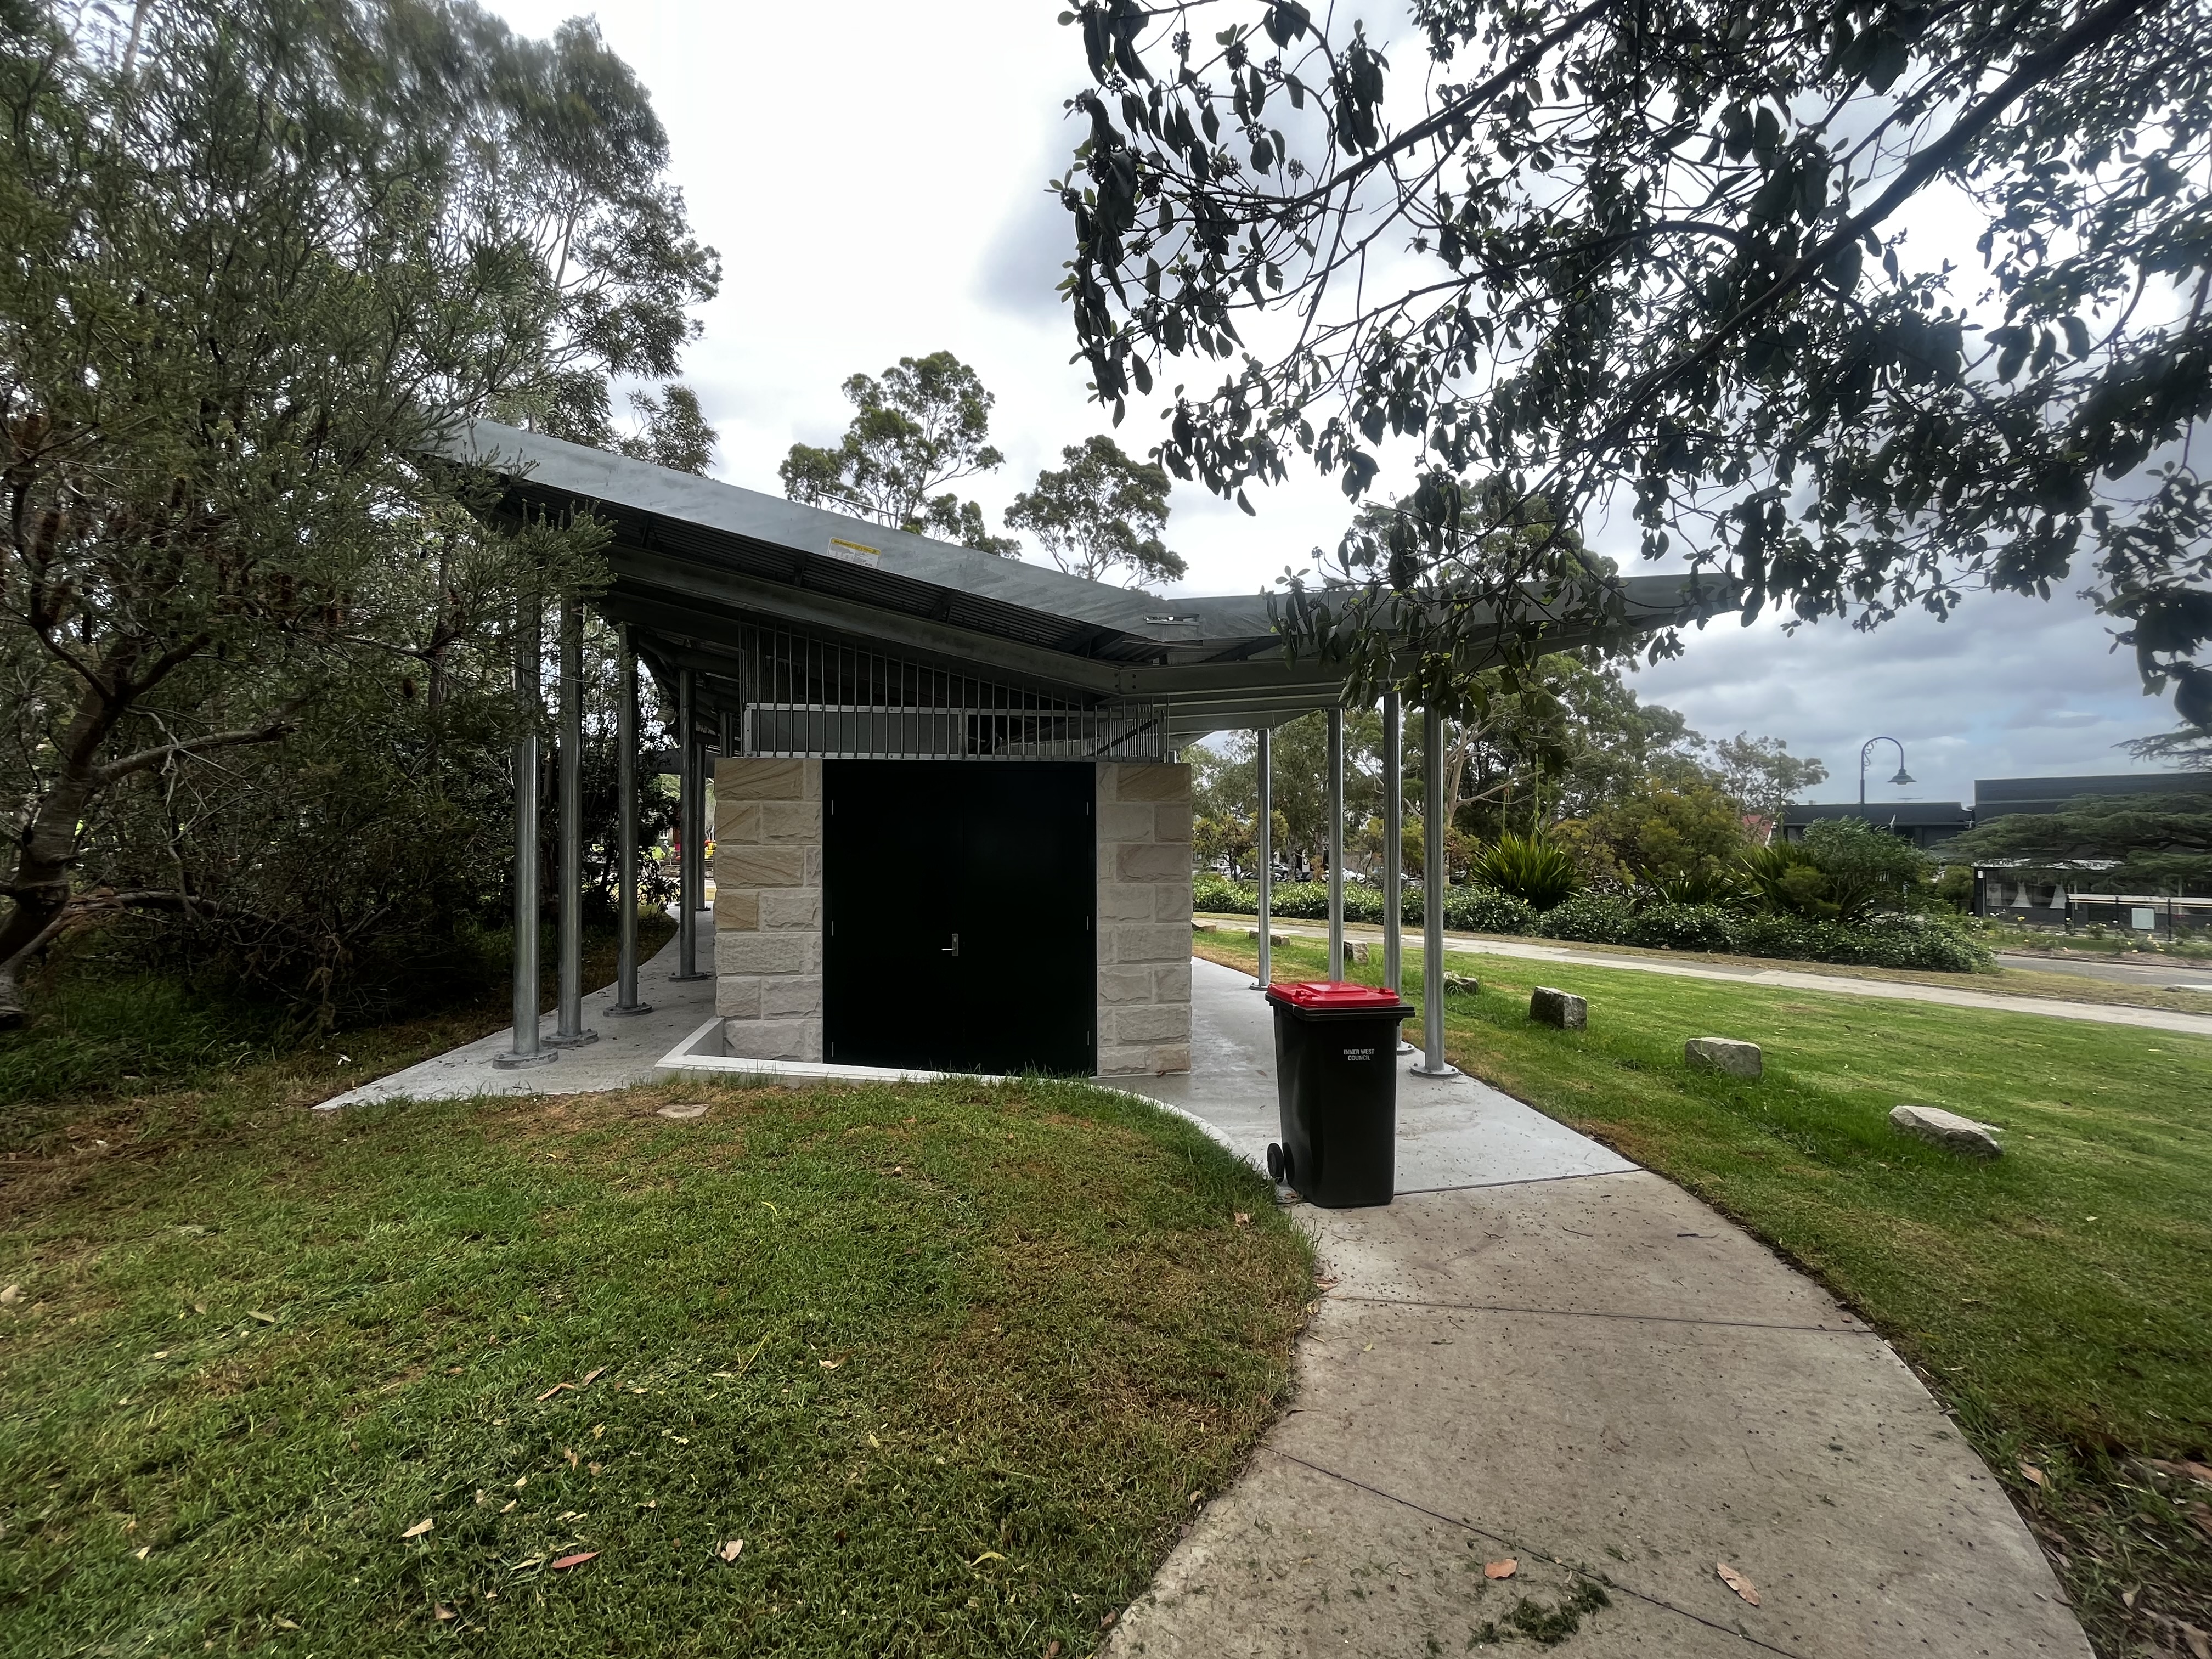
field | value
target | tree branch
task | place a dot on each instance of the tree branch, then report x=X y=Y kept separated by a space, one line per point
x=115 y=770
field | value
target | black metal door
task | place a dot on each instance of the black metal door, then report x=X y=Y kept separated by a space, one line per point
x=960 y=902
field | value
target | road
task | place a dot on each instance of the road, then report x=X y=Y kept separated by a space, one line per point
x=2163 y=972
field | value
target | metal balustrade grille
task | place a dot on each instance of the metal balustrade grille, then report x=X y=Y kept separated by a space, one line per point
x=823 y=701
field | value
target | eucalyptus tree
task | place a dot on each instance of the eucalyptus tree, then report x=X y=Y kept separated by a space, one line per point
x=1101 y=512
x=1659 y=254
x=924 y=425
x=260 y=268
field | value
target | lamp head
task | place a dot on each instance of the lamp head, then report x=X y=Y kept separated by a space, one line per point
x=1902 y=777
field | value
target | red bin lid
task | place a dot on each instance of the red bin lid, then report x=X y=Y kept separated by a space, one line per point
x=1334 y=996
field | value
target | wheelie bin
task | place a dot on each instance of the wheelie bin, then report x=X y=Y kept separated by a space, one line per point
x=1336 y=1079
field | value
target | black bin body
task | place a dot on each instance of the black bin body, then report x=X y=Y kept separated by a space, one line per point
x=1336 y=1072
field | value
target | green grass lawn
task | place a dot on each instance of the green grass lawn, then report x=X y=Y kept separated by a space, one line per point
x=2058 y=1299
x=953 y=1363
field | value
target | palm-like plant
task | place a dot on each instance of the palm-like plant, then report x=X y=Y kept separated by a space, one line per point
x=1533 y=868
x=1703 y=884
x=1786 y=877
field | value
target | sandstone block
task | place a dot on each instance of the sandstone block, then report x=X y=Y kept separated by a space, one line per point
x=1154 y=783
x=787 y=953
x=1550 y=1007
x=736 y=820
x=797 y=996
x=1152 y=864
x=1171 y=822
x=773 y=1039
x=1171 y=901
x=794 y=822
x=1125 y=821
x=791 y=907
x=1171 y=983
x=1119 y=984
x=1170 y=1057
x=737 y=909
x=737 y=996
x=1152 y=1024
x=760 y=866
x=1462 y=985
x=1126 y=901
x=751 y=779
x=1156 y=942
x=1131 y=1061
x=1728 y=1055
x=1952 y=1132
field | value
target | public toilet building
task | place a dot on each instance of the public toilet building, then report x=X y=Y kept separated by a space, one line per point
x=952 y=823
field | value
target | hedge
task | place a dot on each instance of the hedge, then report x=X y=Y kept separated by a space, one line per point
x=1921 y=943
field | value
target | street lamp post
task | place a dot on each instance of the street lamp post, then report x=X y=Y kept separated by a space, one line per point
x=1865 y=753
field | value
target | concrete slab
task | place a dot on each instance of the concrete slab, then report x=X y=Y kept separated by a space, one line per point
x=1574 y=1362
x=628 y=1049
x=1453 y=1132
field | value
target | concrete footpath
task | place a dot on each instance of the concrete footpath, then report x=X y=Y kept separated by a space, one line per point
x=1541 y=1353
x=629 y=1049
x=2098 y=1013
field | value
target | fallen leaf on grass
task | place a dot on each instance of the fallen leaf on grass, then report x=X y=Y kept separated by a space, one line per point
x=1242 y=1219
x=987 y=1555
x=11 y=1296
x=265 y=1318
x=441 y=1613
x=2033 y=1474
x=1052 y=1648
x=419 y=1528
x=565 y=1562
x=731 y=1549
x=1106 y=1621
x=1736 y=1581
x=284 y=1624
x=569 y=1455
x=143 y=1551
x=1504 y=1569
x=509 y=1505
x=828 y=1365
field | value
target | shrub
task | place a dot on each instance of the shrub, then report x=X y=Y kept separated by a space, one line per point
x=1685 y=928
x=1479 y=910
x=1534 y=869
x=1594 y=918
x=1923 y=943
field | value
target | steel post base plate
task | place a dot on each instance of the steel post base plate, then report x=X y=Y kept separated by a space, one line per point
x=575 y=1042
x=686 y=979
x=1439 y=1071
x=616 y=1011
x=513 y=1062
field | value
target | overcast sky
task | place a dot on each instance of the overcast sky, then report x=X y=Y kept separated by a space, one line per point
x=873 y=175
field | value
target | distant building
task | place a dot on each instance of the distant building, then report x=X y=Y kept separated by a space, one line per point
x=1998 y=889
x=1926 y=824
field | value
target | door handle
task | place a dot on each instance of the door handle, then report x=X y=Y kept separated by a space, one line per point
x=952 y=949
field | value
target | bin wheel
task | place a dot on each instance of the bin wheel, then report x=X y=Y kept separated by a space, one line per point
x=1276 y=1163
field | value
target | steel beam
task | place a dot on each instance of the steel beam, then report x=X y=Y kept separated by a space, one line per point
x=1264 y=763
x=1336 y=841
x=690 y=886
x=526 y=1049
x=1433 y=874
x=626 y=1000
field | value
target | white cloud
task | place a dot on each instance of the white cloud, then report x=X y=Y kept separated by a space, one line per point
x=872 y=173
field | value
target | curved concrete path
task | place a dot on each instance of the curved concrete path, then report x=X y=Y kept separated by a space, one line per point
x=2099 y=1014
x=1542 y=1352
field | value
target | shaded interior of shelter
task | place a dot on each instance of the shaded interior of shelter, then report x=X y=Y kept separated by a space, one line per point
x=787 y=639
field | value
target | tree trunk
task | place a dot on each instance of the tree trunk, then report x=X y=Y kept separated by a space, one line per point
x=39 y=888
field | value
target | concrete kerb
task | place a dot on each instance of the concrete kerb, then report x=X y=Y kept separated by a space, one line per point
x=695 y=1057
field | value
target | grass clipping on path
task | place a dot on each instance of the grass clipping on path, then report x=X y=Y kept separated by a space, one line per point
x=2059 y=1298
x=951 y=1361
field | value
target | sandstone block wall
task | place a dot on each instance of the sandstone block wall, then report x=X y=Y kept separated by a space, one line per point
x=1144 y=919
x=768 y=906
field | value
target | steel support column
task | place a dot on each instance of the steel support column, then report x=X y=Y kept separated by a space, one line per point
x=691 y=884
x=626 y=1000
x=1433 y=874
x=569 y=1029
x=1336 y=841
x=1394 y=846
x=529 y=642
x=1264 y=763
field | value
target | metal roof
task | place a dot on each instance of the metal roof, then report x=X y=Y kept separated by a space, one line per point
x=693 y=561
